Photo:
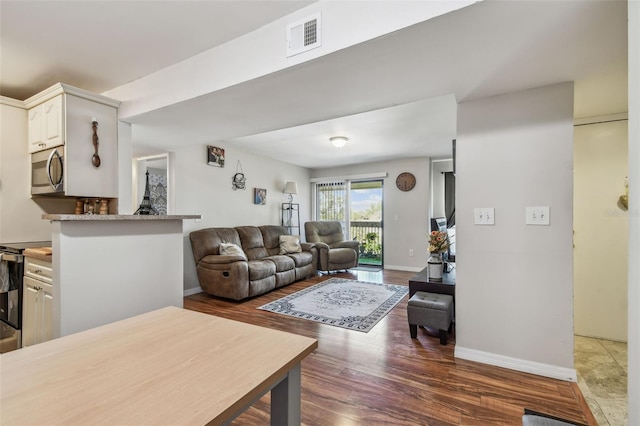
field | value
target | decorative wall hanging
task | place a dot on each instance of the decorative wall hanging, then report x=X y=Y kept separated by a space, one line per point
x=623 y=200
x=239 y=181
x=95 y=159
x=215 y=156
x=259 y=196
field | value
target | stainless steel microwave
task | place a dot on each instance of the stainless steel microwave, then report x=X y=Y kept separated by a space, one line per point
x=47 y=172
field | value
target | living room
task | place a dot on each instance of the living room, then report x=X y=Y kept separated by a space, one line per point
x=516 y=333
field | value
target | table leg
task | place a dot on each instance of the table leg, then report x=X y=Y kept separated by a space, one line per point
x=285 y=400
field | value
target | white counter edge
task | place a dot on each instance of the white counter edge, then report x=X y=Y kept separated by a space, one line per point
x=115 y=217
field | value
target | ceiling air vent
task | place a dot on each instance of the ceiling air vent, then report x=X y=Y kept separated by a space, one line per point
x=304 y=35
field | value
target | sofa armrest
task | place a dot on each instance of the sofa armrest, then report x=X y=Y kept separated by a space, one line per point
x=307 y=246
x=221 y=259
x=346 y=244
x=322 y=246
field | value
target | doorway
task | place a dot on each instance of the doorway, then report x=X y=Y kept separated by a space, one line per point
x=365 y=212
x=600 y=259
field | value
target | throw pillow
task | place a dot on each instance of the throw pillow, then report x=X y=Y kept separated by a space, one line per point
x=289 y=244
x=230 y=249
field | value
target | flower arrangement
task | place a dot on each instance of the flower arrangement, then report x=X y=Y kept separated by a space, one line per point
x=438 y=241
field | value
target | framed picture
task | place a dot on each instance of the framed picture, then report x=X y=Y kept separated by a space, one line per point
x=215 y=156
x=259 y=196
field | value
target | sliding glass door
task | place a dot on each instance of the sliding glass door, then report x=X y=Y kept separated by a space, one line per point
x=358 y=206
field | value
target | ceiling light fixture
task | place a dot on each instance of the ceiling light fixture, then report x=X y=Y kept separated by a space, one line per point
x=339 y=141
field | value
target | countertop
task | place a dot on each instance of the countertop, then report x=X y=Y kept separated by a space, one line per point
x=41 y=253
x=115 y=217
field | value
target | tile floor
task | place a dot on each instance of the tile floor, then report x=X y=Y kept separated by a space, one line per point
x=602 y=377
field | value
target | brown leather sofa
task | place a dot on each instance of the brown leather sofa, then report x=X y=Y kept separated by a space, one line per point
x=260 y=270
x=334 y=252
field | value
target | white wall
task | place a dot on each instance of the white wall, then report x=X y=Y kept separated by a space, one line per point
x=514 y=292
x=601 y=229
x=206 y=190
x=262 y=52
x=405 y=214
x=633 y=376
x=106 y=271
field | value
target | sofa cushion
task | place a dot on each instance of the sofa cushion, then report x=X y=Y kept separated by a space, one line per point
x=303 y=258
x=271 y=237
x=230 y=249
x=283 y=263
x=205 y=242
x=328 y=232
x=260 y=269
x=290 y=244
x=252 y=243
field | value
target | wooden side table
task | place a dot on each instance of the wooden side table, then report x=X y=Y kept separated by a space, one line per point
x=420 y=282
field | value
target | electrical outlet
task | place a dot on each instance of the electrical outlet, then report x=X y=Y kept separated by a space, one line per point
x=484 y=216
x=411 y=253
x=537 y=215
x=395 y=217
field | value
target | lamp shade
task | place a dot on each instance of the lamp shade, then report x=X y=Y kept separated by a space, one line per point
x=291 y=188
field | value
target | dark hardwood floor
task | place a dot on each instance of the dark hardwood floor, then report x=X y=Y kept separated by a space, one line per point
x=386 y=378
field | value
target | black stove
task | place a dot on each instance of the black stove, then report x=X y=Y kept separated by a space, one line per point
x=11 y=274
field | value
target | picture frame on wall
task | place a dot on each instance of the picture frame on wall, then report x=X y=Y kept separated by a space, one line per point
x=259 y=196
x=215 y=156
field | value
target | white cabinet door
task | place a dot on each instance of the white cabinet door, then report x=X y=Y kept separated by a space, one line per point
x=46 y=126
x=37 y=312
x=30 y=314
x=53 y=125
x=46 y=327
x=36 y=138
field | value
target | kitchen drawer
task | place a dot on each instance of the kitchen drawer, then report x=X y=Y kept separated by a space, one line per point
x=38 y=269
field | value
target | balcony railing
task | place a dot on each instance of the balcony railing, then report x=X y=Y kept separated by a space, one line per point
x=369 y=233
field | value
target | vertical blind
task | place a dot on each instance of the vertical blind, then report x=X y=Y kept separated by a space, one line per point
x=331 y=200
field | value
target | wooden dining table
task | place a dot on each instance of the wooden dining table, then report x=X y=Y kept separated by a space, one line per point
x=166 y=367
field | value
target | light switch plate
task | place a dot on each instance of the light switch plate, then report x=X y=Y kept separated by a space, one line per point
x=484 y=216
x=537 y=215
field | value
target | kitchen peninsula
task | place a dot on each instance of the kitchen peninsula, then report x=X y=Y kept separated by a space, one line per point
x=110 y=267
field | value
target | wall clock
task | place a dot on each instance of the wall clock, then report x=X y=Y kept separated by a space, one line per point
x=405 y=181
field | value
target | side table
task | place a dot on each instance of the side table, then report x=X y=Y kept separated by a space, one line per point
x=420 y=282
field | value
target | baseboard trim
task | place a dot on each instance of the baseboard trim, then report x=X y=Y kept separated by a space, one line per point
x=191 y=291
x=403 y=268
x=537 y=368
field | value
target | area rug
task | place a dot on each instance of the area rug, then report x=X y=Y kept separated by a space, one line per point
x=355 y=305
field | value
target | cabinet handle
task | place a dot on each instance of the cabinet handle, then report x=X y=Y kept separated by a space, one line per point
x=37 y=271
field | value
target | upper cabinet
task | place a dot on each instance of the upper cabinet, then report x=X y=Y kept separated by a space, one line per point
x=46 y=125
x=63 y=116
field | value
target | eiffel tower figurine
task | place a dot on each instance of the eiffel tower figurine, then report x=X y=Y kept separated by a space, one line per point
x=145 y=206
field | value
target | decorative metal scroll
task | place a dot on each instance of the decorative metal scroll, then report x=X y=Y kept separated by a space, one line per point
x=239 y=181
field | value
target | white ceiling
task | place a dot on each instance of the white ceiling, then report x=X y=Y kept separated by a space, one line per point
x=394 y=96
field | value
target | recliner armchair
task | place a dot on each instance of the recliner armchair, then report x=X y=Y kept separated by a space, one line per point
x=334 y=252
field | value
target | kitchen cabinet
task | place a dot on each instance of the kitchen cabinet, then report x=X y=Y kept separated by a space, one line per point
x=37 y=308
x=63 y=115
x=46 y=125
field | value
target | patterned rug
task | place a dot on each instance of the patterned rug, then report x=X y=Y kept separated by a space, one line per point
x=355 y=305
